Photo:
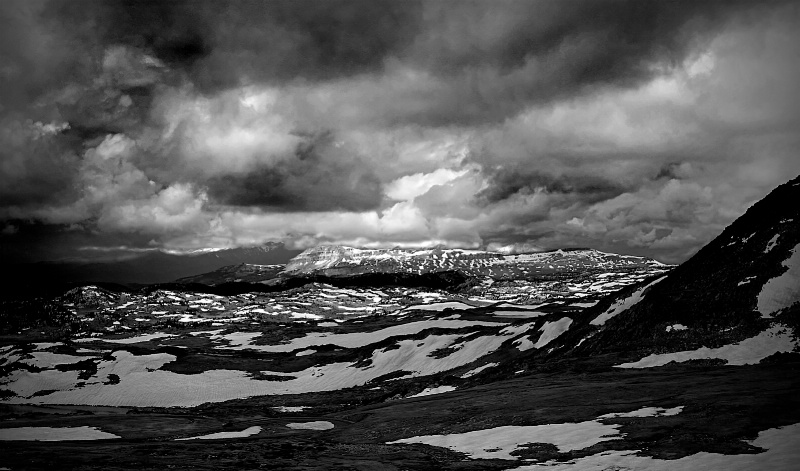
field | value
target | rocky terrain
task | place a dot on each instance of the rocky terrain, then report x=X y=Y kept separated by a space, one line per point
x=424 y=360
x=343 y=261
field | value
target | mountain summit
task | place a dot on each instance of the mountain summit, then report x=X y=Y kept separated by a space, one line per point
x=332 y=260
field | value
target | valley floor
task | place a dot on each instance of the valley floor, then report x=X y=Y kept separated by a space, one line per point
x=680 y=416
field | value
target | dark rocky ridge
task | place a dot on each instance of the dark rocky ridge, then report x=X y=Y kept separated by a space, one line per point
x=714 y=294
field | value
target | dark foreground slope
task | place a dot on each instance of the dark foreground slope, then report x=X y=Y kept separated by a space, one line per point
x=715 y=298
x=723 y=408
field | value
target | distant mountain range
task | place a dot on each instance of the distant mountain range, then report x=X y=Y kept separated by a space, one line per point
x=333 y=261
x=274 y=264
x=152 y=267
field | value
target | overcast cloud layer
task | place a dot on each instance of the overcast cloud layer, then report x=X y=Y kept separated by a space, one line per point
x=628 y=126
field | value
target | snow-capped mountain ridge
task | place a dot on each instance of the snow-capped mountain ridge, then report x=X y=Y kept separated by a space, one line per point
x=341 y=260
x=330 y=256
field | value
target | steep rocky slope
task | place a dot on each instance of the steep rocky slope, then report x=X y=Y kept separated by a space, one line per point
x=743 y=284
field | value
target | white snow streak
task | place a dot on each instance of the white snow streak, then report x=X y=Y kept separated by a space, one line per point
x=782 y=445
x=623 y=304
x=783 y=290
x=772 y=243
x=551 y=330
x=53 y=434
x=432 y=391
x=676 y=327
x=143 y=384
x=747 y=352
x=243 y=340
x=219 y=435
x=644 y=412
x=499 y=442
x=317 y=425
x=477 y=370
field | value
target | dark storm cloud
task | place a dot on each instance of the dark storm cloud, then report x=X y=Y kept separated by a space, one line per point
x=676 y=170
x=33 y=241
x=222 y=44
x=311 y=40
x=507 y=182
x=169 y=119
x=38 y=167
x=318 y=177
x=488 y=60
x=497 y=58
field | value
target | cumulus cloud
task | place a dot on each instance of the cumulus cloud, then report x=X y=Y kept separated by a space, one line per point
x=409 y=187
x=640 y=127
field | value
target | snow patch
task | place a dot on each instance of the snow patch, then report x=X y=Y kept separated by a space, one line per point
x=54 y=434
x=477 y=370
x=290 y=408
x=676 y=327
x=432 y=391
x=622 y=304
x=243 y=340
x=783 y=290
x=440 y=306
x=143 y=384
x=250 y=431
x=523 y=344
x=782 y=445
x=772 y=243
x=129 y=340
x=499 y=442
x=750 y=351
x=316 y=425
x=644 y=412
x=49 y=360
x=552 y=330
x=520 y=314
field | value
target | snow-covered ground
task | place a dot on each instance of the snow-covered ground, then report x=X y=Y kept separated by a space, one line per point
x=48 y=360
x=477 y=370
x=315 y=425
x=782 y=447
x=248 y=432
x=750 y=351
x=52 y=434
x=499 y=442
x=440 y=306
x=244 y=340
x=622 y=304
x=432 y=391
x=644 y=412
x=552 y=330
x=130 y=340
x=675 y=328
x=142 y=383
x=783 y=290
x=290 y=408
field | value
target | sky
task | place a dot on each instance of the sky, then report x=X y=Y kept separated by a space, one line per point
x=638 y=127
